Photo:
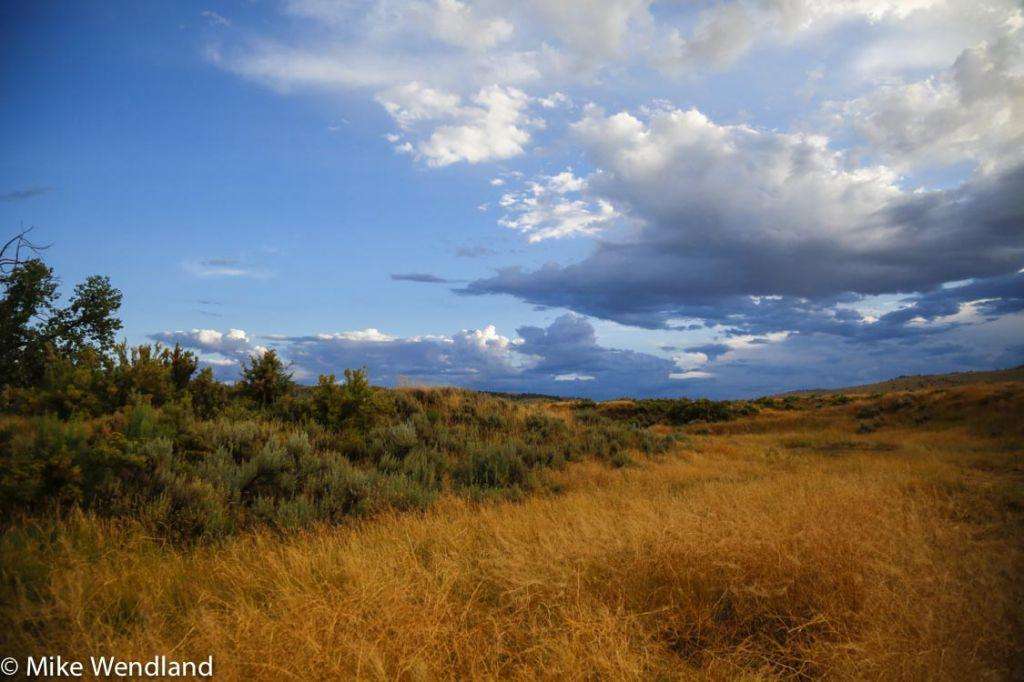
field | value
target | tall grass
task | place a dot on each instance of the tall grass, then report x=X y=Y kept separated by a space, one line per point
x=785 y=544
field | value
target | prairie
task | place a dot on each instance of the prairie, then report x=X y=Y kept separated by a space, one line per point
x=845 y=536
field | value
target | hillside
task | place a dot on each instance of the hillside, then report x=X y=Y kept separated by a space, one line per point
x=925 y=381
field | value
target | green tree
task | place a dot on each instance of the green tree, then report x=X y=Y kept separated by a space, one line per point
x=31 y=321
x=352 y=404
x=358 y=404
x=208 y=395
x=142 y=370
x=265 y=378
x=183 y=364
x=328 y=400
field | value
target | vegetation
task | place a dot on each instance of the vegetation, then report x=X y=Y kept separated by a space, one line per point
x=135 y=432
x=781 y=544
x=324 y=454
x=675 y=412
x=32 y=326
x=349 y=531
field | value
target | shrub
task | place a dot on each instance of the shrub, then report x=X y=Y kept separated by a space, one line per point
x=497 y=466
x=199 y=463
x=190 y=508
x=209 y=396
x=265 y=379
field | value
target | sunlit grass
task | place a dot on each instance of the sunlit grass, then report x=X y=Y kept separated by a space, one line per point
x=785 y=544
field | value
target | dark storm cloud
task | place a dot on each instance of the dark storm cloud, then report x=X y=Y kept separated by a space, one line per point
x=731 y=215
x=569 y=347
x=712 y=350
x=974 y=231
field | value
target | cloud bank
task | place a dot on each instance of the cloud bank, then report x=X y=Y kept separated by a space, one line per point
x=879 y=220
x=566 y=358
x=764 y=231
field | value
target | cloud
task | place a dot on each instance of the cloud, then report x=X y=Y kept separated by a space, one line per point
x=222 y=267
x=690 y=374
x=568 y=346
x=565 y=358
x=222 y=351
x=449 y=22
x=709 y=350
x=931 y=37
x=459 y=78
x=763 y=231
x=496 y=128
x=972 y=111
x=726 y=31
x=409 y=103
x=690 y=360
x=573 y=376
x=805 y=361
x=234 y=342
x=544 y=209
x=22 y=194
x=540 y=359
x=450 y=44
x=475 y=251
x=423 y=277
x=215 y=19
x=458 y=24
x=463 y=358
x=555 y=100
x=753 y=242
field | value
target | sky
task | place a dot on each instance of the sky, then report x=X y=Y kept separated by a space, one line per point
x=595 y=197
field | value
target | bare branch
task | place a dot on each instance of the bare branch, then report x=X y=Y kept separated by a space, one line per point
x=12 y=250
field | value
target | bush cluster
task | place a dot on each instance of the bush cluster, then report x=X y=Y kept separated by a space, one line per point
x=671 y=411
x=139 y=433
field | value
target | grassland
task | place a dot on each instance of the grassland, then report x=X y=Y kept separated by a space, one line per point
x=855 y=536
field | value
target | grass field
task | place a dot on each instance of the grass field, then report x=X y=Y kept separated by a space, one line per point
x=860 y=537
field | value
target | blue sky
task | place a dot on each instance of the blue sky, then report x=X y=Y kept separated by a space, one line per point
x=604 y=198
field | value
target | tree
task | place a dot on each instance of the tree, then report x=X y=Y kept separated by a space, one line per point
x=358 y=405
x=183 y=364
x=328 y=400
x=142 y=370
x=208 y=394
x=31 y=321
x=28 y=298
x=347 y=405
x=265 y=379
x=11 y=251
x=88 y=319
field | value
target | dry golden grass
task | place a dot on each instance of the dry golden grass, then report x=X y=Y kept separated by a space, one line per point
x=786 y=544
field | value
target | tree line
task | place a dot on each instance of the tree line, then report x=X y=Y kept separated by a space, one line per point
x=64 y=358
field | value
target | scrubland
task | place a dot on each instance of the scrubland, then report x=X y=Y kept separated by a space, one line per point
x=842 y=536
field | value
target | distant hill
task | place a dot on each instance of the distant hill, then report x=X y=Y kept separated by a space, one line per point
x=924 y=381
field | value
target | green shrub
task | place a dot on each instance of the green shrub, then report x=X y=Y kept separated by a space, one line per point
x=209 y=396
x=265 y=380
x=494 y=466
x=207 y=460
